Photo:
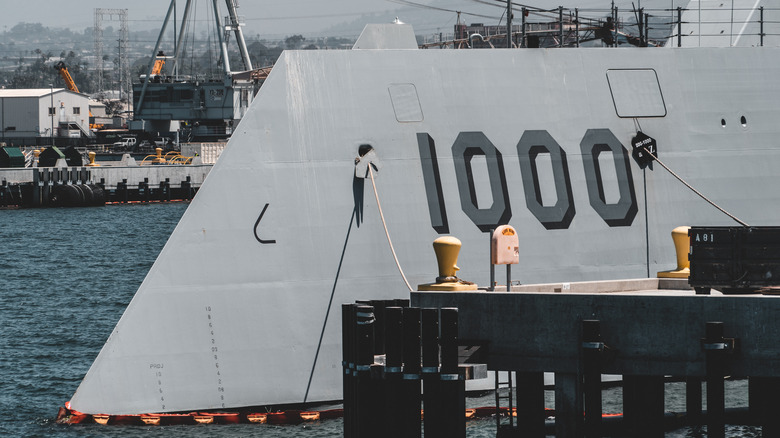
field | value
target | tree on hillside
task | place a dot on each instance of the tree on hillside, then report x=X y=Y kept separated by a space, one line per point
x=262 y=54
x=293 y=42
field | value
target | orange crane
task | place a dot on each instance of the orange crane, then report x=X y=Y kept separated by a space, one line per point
x=63 y=69
x=158 y=63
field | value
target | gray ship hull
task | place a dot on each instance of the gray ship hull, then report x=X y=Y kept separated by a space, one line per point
x=241 y=307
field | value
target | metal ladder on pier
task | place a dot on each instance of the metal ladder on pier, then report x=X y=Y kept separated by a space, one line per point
x=504 y=428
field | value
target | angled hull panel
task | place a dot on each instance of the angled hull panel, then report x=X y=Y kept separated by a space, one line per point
x=242 y=310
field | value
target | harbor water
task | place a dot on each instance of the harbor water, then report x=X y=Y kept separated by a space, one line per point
x=66 y=276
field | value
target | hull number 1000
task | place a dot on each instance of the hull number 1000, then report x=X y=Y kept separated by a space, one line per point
x=532 y=143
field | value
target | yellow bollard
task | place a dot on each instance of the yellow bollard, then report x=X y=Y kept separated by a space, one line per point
x=159 y=159
x=682 y=244
x=447 y=249
x=92 y=160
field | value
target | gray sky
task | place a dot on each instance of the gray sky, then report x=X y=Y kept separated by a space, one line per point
x=271 y=18
x=264 y=17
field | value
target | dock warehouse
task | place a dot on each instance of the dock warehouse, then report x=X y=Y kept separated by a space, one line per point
x=28 y=115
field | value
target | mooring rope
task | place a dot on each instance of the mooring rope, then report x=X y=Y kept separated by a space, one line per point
x=387 y=233
x=696 y=191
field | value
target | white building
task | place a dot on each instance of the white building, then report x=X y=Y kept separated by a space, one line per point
x=26 y=114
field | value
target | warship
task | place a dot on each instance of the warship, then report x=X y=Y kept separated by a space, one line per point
x=241 y=306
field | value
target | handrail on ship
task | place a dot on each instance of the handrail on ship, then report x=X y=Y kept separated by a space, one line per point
x=570 y=27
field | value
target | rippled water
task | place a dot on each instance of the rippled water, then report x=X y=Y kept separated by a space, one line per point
x=66 y=276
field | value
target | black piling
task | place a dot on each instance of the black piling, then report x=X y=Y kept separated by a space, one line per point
x=121 y=191
x=714 y=352
x=410 y=385
x=186 y=188
x=379 y=325
x=165 y=190
x=365 y=416
x=36 y=184
x=420 y=345
x=643 y=405
x=46 y=190
x=143 y=190
x=348 y=364
x=764 y=409
x=430 y=370
x=393 y=372
x=693 y=400
x=4 y=198
x=452 y=386
x=530 y=404
x=592 y=348
x=568 y=405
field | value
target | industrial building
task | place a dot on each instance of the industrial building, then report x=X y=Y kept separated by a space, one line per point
x=39 y=115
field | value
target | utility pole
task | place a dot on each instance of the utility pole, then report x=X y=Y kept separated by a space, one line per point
x=51 y=113
x=508 y=24
x=121 y=87
x=112 y=14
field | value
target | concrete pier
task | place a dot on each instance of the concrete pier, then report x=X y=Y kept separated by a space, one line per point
x=640 y=329
x=112 y=175
x=51 y=187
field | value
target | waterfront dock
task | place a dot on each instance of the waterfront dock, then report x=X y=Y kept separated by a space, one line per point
x=645 y=331
x=85 y=186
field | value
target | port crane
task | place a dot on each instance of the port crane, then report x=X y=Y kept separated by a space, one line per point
x=71 y=85
x=158 y=63
x=204 y=107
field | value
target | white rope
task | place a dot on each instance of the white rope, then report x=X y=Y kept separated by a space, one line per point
x=387 y=233
x=694 y=190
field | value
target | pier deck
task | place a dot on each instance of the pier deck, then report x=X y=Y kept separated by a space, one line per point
x=54 y=187
x=649 y=330
x=644 y=330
